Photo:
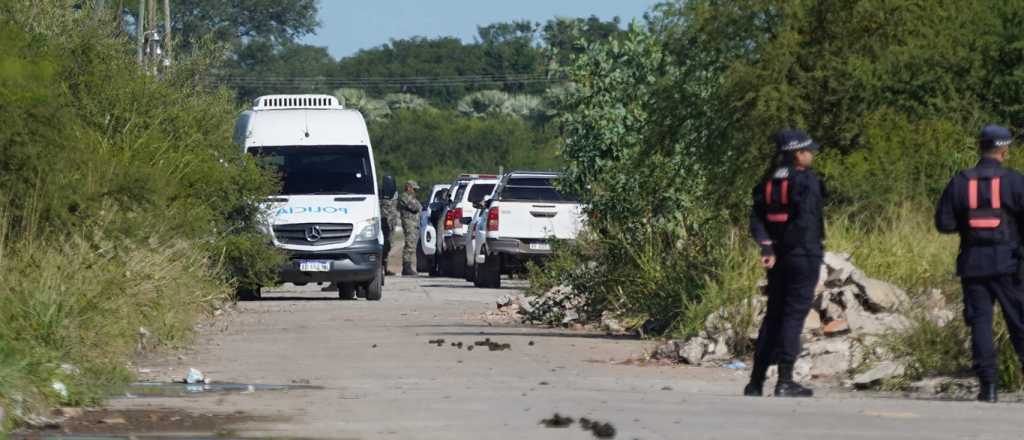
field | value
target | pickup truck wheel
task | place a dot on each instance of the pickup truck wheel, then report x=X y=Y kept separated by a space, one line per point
x=435 y=265
x=458 y=265
x=248 y=294
x=346 y=291
x=488 y=274
x=470 y=273
x=422 y=263
x=374 y=290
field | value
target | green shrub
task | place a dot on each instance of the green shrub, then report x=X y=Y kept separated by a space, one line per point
x=124 y=203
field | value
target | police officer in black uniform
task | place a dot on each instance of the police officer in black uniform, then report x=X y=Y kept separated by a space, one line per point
x=985 y=205
x=787 y=223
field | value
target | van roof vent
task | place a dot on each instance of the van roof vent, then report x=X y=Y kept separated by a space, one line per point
x=271 y=102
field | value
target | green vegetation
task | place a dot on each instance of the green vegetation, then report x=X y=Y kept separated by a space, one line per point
x=667 y=131
x=123 y=205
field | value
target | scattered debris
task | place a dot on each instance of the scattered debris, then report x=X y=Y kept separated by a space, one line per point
x=600 y=430
x=69 y=370
x=558 y=421
x=133 y=422
x=560 y=306
x=143 y=339
x=70 y=412
x=530 y=343
x=195 y=376
x=60 y=389
x=494 y=346
x=39 y=422
x=849 y=312
x=301 y=381
x=374 y=346
x=877 y=374
x=736 y=365
x=544 y=383
x=666 y=388
x=469 y=348
x=437 y=342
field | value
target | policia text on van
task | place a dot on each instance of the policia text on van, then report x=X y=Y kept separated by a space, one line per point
x=327 y=215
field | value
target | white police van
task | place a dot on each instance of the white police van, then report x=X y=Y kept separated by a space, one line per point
x=327 y=215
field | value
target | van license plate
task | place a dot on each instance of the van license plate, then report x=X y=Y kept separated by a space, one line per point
x=540 y=247
x=314 y=266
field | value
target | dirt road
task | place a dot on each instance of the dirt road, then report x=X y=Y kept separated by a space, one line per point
x=381 y=379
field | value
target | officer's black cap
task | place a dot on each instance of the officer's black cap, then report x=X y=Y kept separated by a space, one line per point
x=994 y=136
x=793 y=140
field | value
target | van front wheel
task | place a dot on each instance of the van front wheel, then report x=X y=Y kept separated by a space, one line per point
x=374 y=290
x=346 y=291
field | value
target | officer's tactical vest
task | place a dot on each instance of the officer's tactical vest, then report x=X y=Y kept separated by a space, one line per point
x=988 y=225
x=776 y=198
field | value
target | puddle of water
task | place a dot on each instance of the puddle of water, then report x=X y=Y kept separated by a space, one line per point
x=174 y=389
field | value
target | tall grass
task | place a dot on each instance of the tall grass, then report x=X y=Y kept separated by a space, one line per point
x=127 y=205
x=78 y=300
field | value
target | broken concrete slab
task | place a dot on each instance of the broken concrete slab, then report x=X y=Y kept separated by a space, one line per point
x=879 y=296
x=692 y=352
x=840 y=269
x=877 y=374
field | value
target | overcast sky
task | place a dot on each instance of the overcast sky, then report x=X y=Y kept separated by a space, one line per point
x=349 y=25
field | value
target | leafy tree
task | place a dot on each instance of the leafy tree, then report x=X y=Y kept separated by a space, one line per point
x=569 y=36
x=262 y=67
x=372 y=109
x=237 y=22
x=416 y=58
x=432 y=145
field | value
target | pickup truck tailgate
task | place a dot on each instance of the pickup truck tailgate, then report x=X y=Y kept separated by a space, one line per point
x=539 y=220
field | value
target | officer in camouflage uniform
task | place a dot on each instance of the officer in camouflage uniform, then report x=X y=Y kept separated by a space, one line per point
x=388 y=223
x=410 y=209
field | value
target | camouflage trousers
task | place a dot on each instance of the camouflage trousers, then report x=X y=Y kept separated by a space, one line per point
x=412 y=237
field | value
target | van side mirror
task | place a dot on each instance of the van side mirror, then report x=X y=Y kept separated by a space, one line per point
x=388 y=188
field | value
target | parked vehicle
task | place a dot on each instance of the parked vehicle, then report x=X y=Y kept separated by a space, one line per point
x=526 y=215
x=465 y=191
x=327 y=215
x=478 y=220
x=432 y=210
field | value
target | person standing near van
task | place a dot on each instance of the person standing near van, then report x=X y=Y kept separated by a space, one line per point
x=787 y=223
x=389 y=221
x=985 y=205
x=410 y=209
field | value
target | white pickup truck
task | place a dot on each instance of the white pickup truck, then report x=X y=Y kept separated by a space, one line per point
x=465 y=192
x=519 y=223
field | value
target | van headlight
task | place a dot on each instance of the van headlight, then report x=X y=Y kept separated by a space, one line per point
x=369 y=230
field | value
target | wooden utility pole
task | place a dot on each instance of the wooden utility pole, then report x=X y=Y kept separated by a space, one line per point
x=140 y=29
x=119 y=16
x=152 y=16
x=167 y=29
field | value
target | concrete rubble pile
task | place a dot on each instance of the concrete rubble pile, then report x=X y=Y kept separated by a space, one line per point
x=850 y=313
x=560 y=306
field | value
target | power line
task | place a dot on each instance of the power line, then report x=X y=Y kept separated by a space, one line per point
x=367 y=82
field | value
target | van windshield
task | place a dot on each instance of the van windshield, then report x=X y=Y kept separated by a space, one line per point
x=305 y=170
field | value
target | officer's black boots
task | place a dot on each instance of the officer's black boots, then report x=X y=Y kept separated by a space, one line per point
x=792 y=389
x=989 y=392
x=407 y=270
x=786 y=387
x=754 y=389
